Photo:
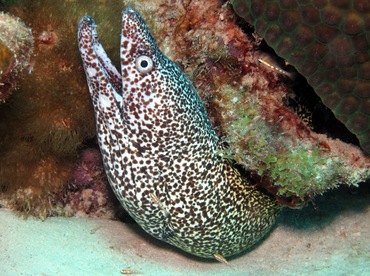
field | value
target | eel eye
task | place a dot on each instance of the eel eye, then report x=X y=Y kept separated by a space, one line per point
x=144 y=64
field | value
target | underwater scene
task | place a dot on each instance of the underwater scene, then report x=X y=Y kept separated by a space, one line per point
x=185 y=137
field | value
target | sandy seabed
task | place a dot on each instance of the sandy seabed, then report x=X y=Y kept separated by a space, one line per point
x=331 y=239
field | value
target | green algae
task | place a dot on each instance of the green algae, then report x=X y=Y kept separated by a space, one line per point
x=297 y=168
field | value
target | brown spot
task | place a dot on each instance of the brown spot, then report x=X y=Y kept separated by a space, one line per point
x=331 y=100
x=272 y=12
x=320 y=3
x=365 y=107
x=358 y=123
x=342 y=46
x=332 y=75
x=345 y=61
x=316 y=79
x=343 y=4
x=258 y=7
x=318 y=51
x=365 y=71
x=346 y=85
x=353 y=23
x=274 y=32
x=362 y=90
x=304 y=35
x=332 y=15
x=349 y=105
x=360 y=43
x=310 y=15
x=325 y=33
x=289 y=4
x=290 y=21
x=309 y=68
x=362 y=6
x=285 y=46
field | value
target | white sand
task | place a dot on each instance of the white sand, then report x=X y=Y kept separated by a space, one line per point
x=334 y=240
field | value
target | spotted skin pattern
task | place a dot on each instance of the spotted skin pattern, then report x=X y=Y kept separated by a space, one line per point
x=160 y=151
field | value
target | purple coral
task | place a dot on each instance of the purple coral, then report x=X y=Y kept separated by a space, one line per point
x=89 y=168
x=87 y=192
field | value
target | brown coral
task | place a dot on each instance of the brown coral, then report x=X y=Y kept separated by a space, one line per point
x=45 y=124
x=329 y=43
x=47 y=121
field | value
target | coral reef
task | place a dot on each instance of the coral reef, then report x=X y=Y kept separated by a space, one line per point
x=281 y=153
x=16 y=45
x=47 y=123
x=328 y=42
x=247 y=104
x=87 y=192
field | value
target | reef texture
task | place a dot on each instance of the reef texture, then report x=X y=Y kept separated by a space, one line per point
x=87 y=193
x=16 y=45
x=49 y=121
x=328 y=42
x=246 y=103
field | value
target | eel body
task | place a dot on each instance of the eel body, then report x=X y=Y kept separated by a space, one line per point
x=160 y=151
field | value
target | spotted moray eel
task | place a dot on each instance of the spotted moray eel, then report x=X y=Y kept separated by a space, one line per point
x=160 y=151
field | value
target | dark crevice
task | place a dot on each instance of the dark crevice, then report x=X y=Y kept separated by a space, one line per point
x=303 y=100
x=322 y=119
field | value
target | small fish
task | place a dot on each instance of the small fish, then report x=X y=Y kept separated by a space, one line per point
x=130 y=272
x=270 y=64
x=160 y=151
x=156 y=200
x=221 y=259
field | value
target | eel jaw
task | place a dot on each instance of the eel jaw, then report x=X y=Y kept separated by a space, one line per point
x=103 y=79
x=104 y=82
